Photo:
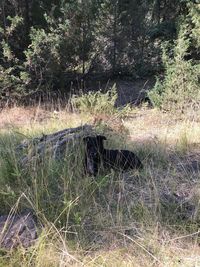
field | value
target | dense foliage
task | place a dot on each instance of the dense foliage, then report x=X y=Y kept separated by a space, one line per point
x=180 y=88
x=44 y=45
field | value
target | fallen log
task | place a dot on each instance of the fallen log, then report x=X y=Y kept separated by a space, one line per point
x=55 y=144
x=53 y=137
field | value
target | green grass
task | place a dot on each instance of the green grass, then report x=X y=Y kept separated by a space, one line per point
x=114 y=219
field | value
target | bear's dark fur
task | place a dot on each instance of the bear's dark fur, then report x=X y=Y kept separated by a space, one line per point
x=97 y=155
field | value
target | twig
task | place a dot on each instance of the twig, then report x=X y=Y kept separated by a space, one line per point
x=185 y=236
x=141 y=246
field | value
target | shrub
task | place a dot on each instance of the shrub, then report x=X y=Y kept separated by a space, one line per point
x=96 y=102
x=12 y=84
x=179 y=90
x=99 y=103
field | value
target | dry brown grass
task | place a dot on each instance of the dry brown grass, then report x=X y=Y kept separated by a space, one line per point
x=152 y=124
x=142 y=124
x=170 y=150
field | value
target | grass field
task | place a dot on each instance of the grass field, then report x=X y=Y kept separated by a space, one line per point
x=140 y=218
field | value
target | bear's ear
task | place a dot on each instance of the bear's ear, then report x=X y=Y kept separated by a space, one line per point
x=86 y=139
x=101 y=137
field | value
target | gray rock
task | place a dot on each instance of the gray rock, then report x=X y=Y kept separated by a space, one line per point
x=18 y=229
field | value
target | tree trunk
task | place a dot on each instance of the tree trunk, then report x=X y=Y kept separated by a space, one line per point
x=27 y=22
x=3 y=15
x=114 y=38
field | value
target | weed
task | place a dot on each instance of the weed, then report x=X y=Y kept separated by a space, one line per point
x=98 y=102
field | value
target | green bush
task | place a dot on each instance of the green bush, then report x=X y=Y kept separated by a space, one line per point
x=12 y=84
x=180 y=88
x=50 y=55
x=99 y=103
x=96 y=102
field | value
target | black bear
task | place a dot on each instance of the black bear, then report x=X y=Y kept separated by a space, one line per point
x=97 y=155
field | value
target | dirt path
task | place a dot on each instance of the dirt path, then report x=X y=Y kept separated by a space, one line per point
x=133 y=91
x=128 y=91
